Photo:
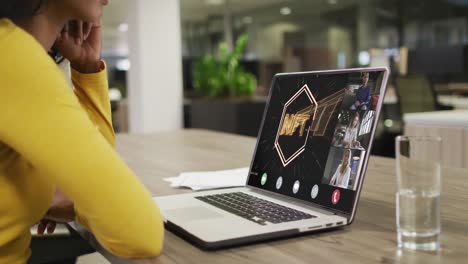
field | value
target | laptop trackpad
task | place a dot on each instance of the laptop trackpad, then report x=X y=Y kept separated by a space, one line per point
x=193 y=213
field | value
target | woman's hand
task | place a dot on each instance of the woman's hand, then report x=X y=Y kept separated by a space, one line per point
x=61 y=211
x=81 y=42
x=44 y=225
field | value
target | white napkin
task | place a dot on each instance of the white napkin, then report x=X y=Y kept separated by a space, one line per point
x=204 y=180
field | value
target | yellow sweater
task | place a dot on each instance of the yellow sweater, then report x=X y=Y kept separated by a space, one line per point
x=53 y=137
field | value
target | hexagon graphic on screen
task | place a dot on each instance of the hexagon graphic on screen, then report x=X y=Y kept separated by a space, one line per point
x=298 y=114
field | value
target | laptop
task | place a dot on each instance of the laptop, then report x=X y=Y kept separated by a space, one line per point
x=308 y=166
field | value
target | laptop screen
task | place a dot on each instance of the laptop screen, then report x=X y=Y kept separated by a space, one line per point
x=316 y=134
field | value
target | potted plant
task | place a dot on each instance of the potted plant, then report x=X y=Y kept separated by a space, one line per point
x=226 y=89
x=224 y=76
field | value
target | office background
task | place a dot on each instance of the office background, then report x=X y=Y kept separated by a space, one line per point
x=153 y=47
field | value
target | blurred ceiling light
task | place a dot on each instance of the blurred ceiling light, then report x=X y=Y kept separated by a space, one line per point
x=215 y=2
x=364 y=58
x=247 y=20
x=333 y=2
x=123 y=27
x=285 y=11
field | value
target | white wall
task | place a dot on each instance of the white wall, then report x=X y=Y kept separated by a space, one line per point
x=269 y=40
x=155 y=76
x=340 y=42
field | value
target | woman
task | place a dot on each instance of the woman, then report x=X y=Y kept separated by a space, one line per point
x=343 y=171
x=350 y=137
x=54 y=138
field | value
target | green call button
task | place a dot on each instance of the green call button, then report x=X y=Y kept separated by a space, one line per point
x=264 y=178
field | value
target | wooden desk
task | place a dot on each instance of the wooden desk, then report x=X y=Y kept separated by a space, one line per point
x=371 y=239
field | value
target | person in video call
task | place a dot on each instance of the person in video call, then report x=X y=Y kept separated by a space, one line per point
x=351 y=133
x=363 y=94
x=343 y=171
x=55 y=141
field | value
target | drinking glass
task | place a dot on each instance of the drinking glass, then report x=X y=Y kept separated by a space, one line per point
x=418 y=192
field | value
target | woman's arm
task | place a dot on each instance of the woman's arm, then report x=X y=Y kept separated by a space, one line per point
x=345 y=181
x=92 y=91
x=335 y=175
x=353 y=140
x=43 y=121
x=81 y=44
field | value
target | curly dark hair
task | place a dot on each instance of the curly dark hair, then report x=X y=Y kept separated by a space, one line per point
x=16 y=10
x=20 y=9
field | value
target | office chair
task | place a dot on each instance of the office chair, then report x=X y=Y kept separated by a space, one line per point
x=416 y=94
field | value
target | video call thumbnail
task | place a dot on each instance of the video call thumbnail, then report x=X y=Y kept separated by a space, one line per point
x=361 y=93
x=353 y=129
x=343 y=167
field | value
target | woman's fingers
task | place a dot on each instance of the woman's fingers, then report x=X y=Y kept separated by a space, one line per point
x=46 y=225
x=79 y=32
x=41 y=226
x=76 y=31
x=65 y=31
x=87 y=27
x=51 y=227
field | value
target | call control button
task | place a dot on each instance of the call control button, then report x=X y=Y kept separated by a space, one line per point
x=296 y=186
x=336 y=196
x=264 y=178
x=314 y=192
x=279 y=182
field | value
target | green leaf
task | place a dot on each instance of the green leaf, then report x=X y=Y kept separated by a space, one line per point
x=224 y=76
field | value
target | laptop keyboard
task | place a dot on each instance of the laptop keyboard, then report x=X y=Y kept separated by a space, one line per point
x=253 y=208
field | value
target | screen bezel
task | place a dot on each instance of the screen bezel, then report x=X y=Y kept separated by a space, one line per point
x=383 y=88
